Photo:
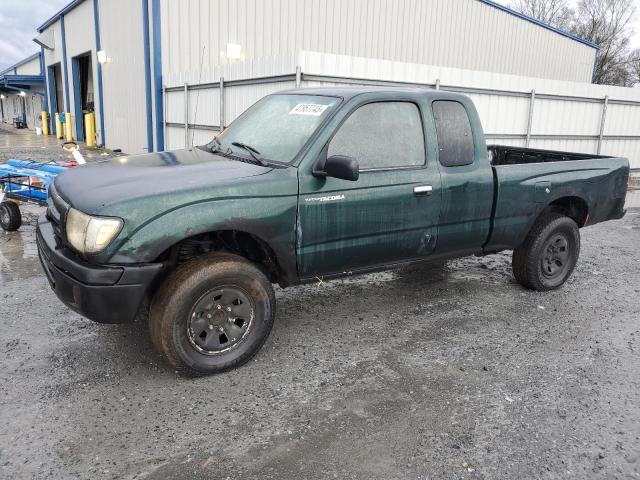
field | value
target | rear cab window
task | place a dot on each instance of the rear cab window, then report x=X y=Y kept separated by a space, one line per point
x=455 y=137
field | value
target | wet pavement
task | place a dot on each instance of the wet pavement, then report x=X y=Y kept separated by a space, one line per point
x=24 y=144
x=424 y=372
x=18 y=253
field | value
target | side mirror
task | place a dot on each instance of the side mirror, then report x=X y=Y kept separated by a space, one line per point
x=343 y=167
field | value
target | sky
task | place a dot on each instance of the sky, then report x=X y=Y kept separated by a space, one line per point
x=19 y=19
x=18 y=22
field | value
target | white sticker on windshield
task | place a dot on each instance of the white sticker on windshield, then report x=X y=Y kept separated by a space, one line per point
x=314 y=109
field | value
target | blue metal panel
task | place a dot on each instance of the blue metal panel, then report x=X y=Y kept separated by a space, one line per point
x=147 y=72
x=23 y=80
x=77 y=100
x=157 y=73
x=41 y=60
x=53 y=95
x=96 y=27
x=67 y=100
x=539 y=23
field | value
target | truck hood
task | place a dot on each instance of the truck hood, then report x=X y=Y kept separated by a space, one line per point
x=92 y=187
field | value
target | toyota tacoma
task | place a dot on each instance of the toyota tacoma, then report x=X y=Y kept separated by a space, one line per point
x=309 y=184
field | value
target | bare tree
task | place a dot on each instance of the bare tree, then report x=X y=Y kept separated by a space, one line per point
x=553 y=12
x=607 y=23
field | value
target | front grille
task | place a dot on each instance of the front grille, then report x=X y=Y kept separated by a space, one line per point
x=57 y=210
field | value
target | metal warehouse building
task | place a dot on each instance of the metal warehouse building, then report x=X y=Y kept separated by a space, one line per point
x=22 y=92
x=112 y=56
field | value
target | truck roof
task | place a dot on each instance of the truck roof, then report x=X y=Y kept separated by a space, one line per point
x=350 y=92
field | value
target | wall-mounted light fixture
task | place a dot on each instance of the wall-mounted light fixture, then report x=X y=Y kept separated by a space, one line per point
x=234 y=51
x=2 y=97
x=102 y=57
x=22 y=94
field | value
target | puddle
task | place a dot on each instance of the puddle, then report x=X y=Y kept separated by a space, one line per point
x=18 y=252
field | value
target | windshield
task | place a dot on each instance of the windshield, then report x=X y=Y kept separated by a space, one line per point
x=277 y=126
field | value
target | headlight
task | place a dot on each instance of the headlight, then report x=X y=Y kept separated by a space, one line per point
x=89 y=234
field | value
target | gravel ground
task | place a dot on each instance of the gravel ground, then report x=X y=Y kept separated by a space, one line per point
x=423 y=372
x=419 y=373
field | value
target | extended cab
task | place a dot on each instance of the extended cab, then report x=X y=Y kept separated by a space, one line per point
x=307 y=184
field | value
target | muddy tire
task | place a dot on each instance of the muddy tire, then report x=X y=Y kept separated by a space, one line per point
x=10 y=217
x=212 y=314
x=548 y=255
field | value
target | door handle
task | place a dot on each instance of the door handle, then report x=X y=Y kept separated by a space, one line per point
x=422 y=190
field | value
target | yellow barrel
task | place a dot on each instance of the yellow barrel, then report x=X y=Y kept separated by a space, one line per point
x=45 y=123
x=58 y=126
x=68 y=127
x=90 y=129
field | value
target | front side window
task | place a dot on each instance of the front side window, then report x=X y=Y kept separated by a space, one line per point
x=455 y=138
x=382 y=135
x=278 y=126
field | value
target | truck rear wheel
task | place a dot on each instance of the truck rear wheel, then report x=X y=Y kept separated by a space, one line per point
x=10 y=217
x=212 y=314
x=547 y=257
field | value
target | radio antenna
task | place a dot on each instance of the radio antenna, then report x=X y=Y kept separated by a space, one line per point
x=195 y=110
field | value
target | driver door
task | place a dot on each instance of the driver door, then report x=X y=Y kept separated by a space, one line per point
x=390 y=213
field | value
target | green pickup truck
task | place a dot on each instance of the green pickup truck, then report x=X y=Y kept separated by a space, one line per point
x=309 y=184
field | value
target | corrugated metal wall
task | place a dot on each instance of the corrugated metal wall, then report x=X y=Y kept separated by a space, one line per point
x=123 y=76
x=125 y=110
x=565 y=115
x=80 y=40
x=33 y=102
x=455 y=33
x=32 y=67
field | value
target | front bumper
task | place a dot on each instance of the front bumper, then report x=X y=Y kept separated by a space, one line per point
x=104 y=294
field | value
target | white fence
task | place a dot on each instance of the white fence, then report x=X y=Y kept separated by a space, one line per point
x=514 y=110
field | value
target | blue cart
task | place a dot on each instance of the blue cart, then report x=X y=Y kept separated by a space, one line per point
x=23 y=181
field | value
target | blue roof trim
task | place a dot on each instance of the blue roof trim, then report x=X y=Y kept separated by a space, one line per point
x=21 y=62
x=19 y=83
x=55 y=17
x=96 y=26
x=22 y=78
x=539 y=23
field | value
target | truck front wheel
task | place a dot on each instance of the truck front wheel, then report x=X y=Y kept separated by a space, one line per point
x=547 y=257
x=212 y=314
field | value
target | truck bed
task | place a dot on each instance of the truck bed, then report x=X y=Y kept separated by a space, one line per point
x=507 y=155
x=526 y=180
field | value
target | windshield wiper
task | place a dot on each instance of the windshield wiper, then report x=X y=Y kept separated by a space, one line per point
x=255 y=154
